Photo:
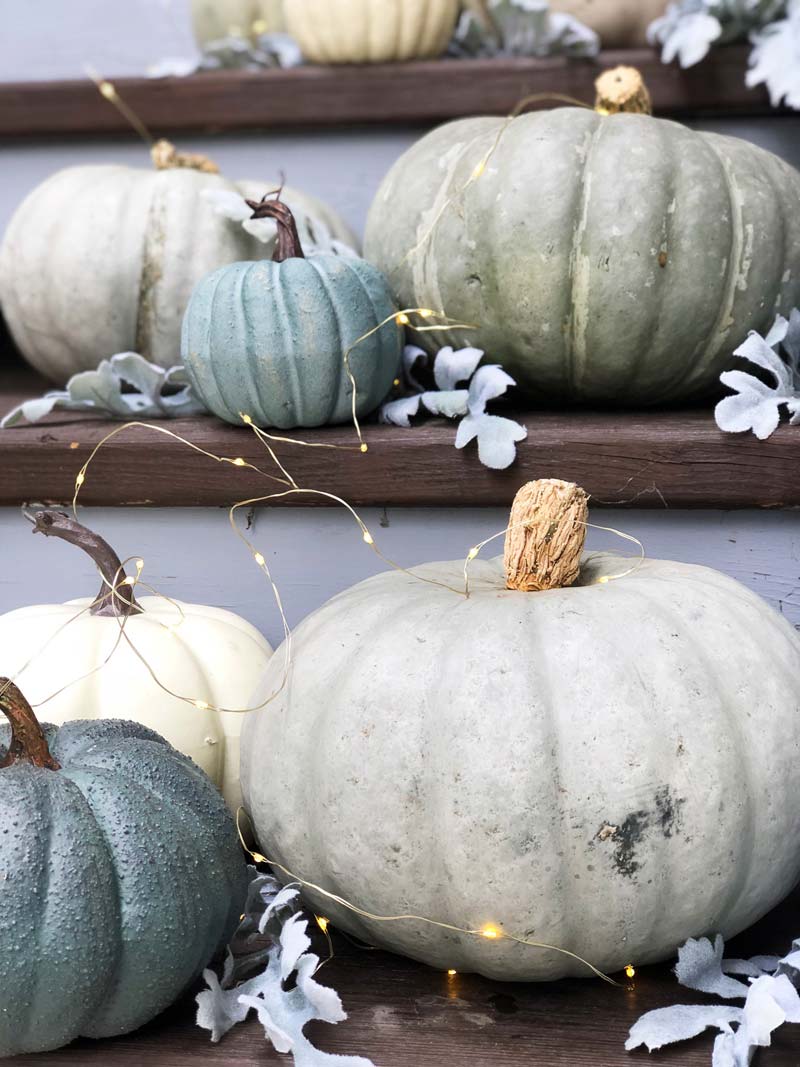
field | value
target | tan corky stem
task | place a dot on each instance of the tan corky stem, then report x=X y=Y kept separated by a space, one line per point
x=166 y=156
x=622 y=89
x=546 y=535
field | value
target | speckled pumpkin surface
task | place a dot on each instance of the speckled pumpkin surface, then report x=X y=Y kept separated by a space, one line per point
x=618 y=259
x=608 y=768
x=121 y=875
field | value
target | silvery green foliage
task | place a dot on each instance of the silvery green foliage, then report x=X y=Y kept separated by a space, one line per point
x=315 y=236
x=770 y=1000
x=689 y=28
x=775 y=59
x=497 y=437
x=523 y=28
x=101 y=392
x=756 y=405
x=269 y=948
x=233 y=53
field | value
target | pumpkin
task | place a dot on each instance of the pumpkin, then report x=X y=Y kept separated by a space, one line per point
x=122 y=876
x=268 y=339
x=371 y=31
x=607 y=258
x=90 y=671
x=608 y=767
x=213 y=20
x=101 y=259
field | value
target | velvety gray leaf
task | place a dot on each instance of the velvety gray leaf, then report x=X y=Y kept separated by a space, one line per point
x=699 y=967
x=497 y=439
x=411 y=354
x=775 y=59
x=753 y=968
x=31 y=410
x=523 y=28
x=401 y=412
x=452 y=367
x=665 y=1026
x=449 y=405
x=488 y=383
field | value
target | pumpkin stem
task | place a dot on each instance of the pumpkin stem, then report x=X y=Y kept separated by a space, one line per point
x=622 y=89
x=115 y=598
x=165 y=156
x=28 y=743
x=288 y=246
x=546 y=535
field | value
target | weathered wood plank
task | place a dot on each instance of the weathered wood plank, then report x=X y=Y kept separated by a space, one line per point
x=636 y=459
x=421 y=92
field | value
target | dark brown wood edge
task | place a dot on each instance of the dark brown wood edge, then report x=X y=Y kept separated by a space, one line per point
x=645 y=459
x=420 y=92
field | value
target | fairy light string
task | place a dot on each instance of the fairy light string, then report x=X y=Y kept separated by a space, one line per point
x=487 y=932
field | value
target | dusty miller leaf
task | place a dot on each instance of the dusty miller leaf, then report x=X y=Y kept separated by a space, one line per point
x=689 y=28
x=273 y=937
x=665 y=1026
x=451 y=367
x=755 y=405
x=497 y=439
x=775 y=59
x=523 y=28
x=101 y=392
x=488 y=383
x=699 y=967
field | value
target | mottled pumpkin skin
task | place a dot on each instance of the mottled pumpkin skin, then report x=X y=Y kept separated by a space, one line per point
x=618 y=259
x=121 y=876
x=610 y=768
x=268 y=340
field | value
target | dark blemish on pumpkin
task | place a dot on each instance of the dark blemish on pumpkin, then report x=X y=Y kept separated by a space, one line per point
x=662 y=259
x=627 y=837
x=474 y=279
x=668 y=811
x=504 y=1003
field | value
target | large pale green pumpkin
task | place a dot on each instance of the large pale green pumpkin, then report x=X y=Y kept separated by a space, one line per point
x=609 y=768
x=268 y=339
x=121 y=875
x=615 y=258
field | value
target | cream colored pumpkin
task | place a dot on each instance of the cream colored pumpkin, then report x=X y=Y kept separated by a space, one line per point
x=608 y=768
x=101 y=259
x=85 y=670
x=215 y=19
x=618 y=23
x=371 y=31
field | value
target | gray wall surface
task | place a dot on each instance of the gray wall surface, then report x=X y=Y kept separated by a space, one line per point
x=193 y=554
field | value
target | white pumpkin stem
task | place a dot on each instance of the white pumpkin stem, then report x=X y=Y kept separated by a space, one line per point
x=165 y=156
x=622 y=89
x=288 y=246
x=115 y=599
x=546 y=535
x=28 y=742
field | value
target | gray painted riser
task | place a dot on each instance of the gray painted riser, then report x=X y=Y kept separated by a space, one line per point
x=193 y=554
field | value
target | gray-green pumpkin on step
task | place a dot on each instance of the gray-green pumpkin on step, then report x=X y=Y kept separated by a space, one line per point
x=618 y=258
x=269 y=339
x=120 y=876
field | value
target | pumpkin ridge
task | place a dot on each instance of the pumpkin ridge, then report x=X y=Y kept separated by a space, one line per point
x=339 y=393
x=252 y=361
x=579 y=282
x=151 y=271
x=284 y=296
x=371 y=392
x=213 y=317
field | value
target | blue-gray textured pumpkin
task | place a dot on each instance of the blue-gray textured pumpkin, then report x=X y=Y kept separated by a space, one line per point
x=121 y=876
x=269 y=339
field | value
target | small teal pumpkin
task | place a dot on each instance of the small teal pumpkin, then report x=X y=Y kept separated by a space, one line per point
x=120 y=876
x=268 y=339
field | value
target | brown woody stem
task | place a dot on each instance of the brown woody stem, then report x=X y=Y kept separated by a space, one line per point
x=28 y=743
x=115 y=599
x=288 y=246
x=546 y=535
x=620 y=90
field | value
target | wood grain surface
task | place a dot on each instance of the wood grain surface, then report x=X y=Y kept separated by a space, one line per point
x=403 y=1014
x=420 y=92
x=635 y=459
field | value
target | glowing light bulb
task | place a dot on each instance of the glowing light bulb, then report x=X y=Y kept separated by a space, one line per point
x=426 y=313
x=80 y=479
x=402 y=320
x=260 y=559
x=451 y=972
x=630 y=971
x=259 y=27
x=481 y=167
x=473 y=553
x=246 y=419
x=323 y=923
x=201 y=705
x=491 y=933
x=239 y=462
x=364 y=446
x=139 y=565
x=368 y=540
x=604 y=580
x=129 y=581
x=107 y=90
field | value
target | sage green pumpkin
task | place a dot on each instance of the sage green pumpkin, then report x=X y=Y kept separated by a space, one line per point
x=121 y=876
x=268 y=339
x=617 y=258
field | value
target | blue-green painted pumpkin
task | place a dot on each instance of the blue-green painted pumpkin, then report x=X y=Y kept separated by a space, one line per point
x=120 y=876
x=268 y=339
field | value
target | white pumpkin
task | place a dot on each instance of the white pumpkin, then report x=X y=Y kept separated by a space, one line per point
x=207 y=654
x=101 y=259
x=215 y=19
x=608 y=768
x=371 y=31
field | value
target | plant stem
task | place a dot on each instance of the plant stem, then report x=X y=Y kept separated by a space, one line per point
x=28 y=743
